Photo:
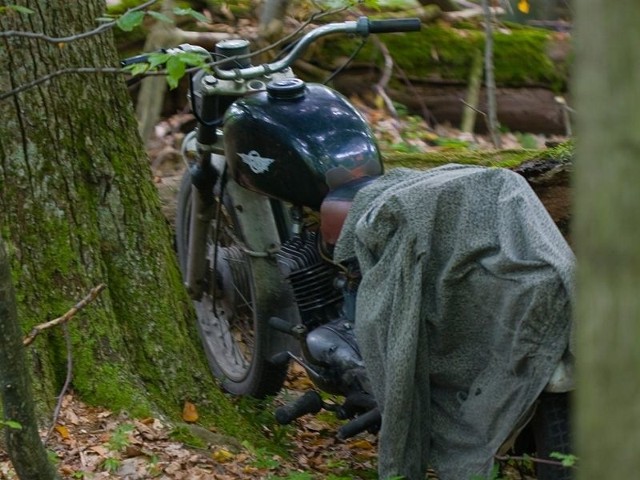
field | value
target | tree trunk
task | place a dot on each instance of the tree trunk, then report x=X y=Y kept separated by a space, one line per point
x=77 y=208
x=272 y=19
x=23 y=443
x=607 y=239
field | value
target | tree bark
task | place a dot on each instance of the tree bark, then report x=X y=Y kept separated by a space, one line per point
x=23 y=444
x=77 y=208
x=607 y=239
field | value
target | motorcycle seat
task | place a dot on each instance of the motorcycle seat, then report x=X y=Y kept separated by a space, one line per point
x=335 y=207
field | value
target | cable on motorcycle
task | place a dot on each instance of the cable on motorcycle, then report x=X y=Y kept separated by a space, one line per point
x=347 y=62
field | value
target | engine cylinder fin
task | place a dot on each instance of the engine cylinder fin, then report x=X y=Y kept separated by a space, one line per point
x=311 y=278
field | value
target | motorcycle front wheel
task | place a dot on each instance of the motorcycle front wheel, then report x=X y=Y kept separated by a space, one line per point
x=231 y=327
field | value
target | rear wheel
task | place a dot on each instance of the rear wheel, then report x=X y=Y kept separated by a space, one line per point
x=552 y=434
x=233 y=331
x=548 y=432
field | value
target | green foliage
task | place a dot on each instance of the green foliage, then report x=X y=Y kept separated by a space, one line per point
x=175 y=63
x=263 y=459
x=129 y=20
x=527 y=140
x=16 y=8
x=159 y=16
x=154 y=469
x=111 y=464
x=53 y=457
x=120 y=437
x=134 y=18
x=260 y=414
x=190 y=13
x=567 y=459
x=10 y=424
x=451 y=143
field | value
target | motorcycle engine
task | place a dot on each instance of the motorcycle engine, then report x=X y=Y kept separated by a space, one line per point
x=312 y=279
x=327 y=312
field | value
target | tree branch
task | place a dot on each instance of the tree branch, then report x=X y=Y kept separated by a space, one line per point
x=57 y=73
x=66 y=317
x=72 y=38
x=386 y=76
x=121 y=71
x=506 y=458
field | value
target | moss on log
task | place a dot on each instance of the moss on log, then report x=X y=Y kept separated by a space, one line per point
x=548 y=171
x=442 y=52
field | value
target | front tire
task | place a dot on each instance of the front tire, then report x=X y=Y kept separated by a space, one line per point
x=232 y=327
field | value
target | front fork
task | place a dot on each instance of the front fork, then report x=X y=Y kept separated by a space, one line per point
x=206 y=172
x=202 y=213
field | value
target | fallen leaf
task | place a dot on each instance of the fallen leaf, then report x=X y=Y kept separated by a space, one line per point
x=523 y=6
x=363 y=444
x=189 y=412
x=222 y=455
x=63 y=431
x=99 y=449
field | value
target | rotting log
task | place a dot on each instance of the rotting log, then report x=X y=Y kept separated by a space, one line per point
x=547 y=171
x=432 y=68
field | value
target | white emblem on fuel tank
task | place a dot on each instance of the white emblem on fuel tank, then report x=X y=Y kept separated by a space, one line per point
x=256 y=163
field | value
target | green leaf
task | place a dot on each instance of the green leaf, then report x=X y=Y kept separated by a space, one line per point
x=20 y=9
x=192 y=59
x=137 y=68
x=129 y=21
x=156 y=59
x=11 y=424
x=567 y=459
x=191 y=13
x=160 y=16
x=175 y=71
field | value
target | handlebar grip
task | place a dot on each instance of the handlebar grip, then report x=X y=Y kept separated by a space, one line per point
x=143 y=58
x=394 y=25
x=310 y=402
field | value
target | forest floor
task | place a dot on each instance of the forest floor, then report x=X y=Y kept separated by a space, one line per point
x=94 y=443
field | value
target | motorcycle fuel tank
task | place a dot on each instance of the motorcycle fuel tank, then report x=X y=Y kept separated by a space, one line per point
x=298 y=141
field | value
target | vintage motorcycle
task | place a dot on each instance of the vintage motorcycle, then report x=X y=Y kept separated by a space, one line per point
x=272 y=168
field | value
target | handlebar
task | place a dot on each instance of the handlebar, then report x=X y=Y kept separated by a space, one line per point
x=363 y=27
x=394 y=25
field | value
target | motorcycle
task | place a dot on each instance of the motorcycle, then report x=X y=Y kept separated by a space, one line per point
x=272 y=168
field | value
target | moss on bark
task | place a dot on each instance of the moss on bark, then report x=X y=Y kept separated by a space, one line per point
x=78 y=207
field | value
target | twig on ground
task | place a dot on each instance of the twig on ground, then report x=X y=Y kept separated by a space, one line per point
x=93 y=294
x=505 y=458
